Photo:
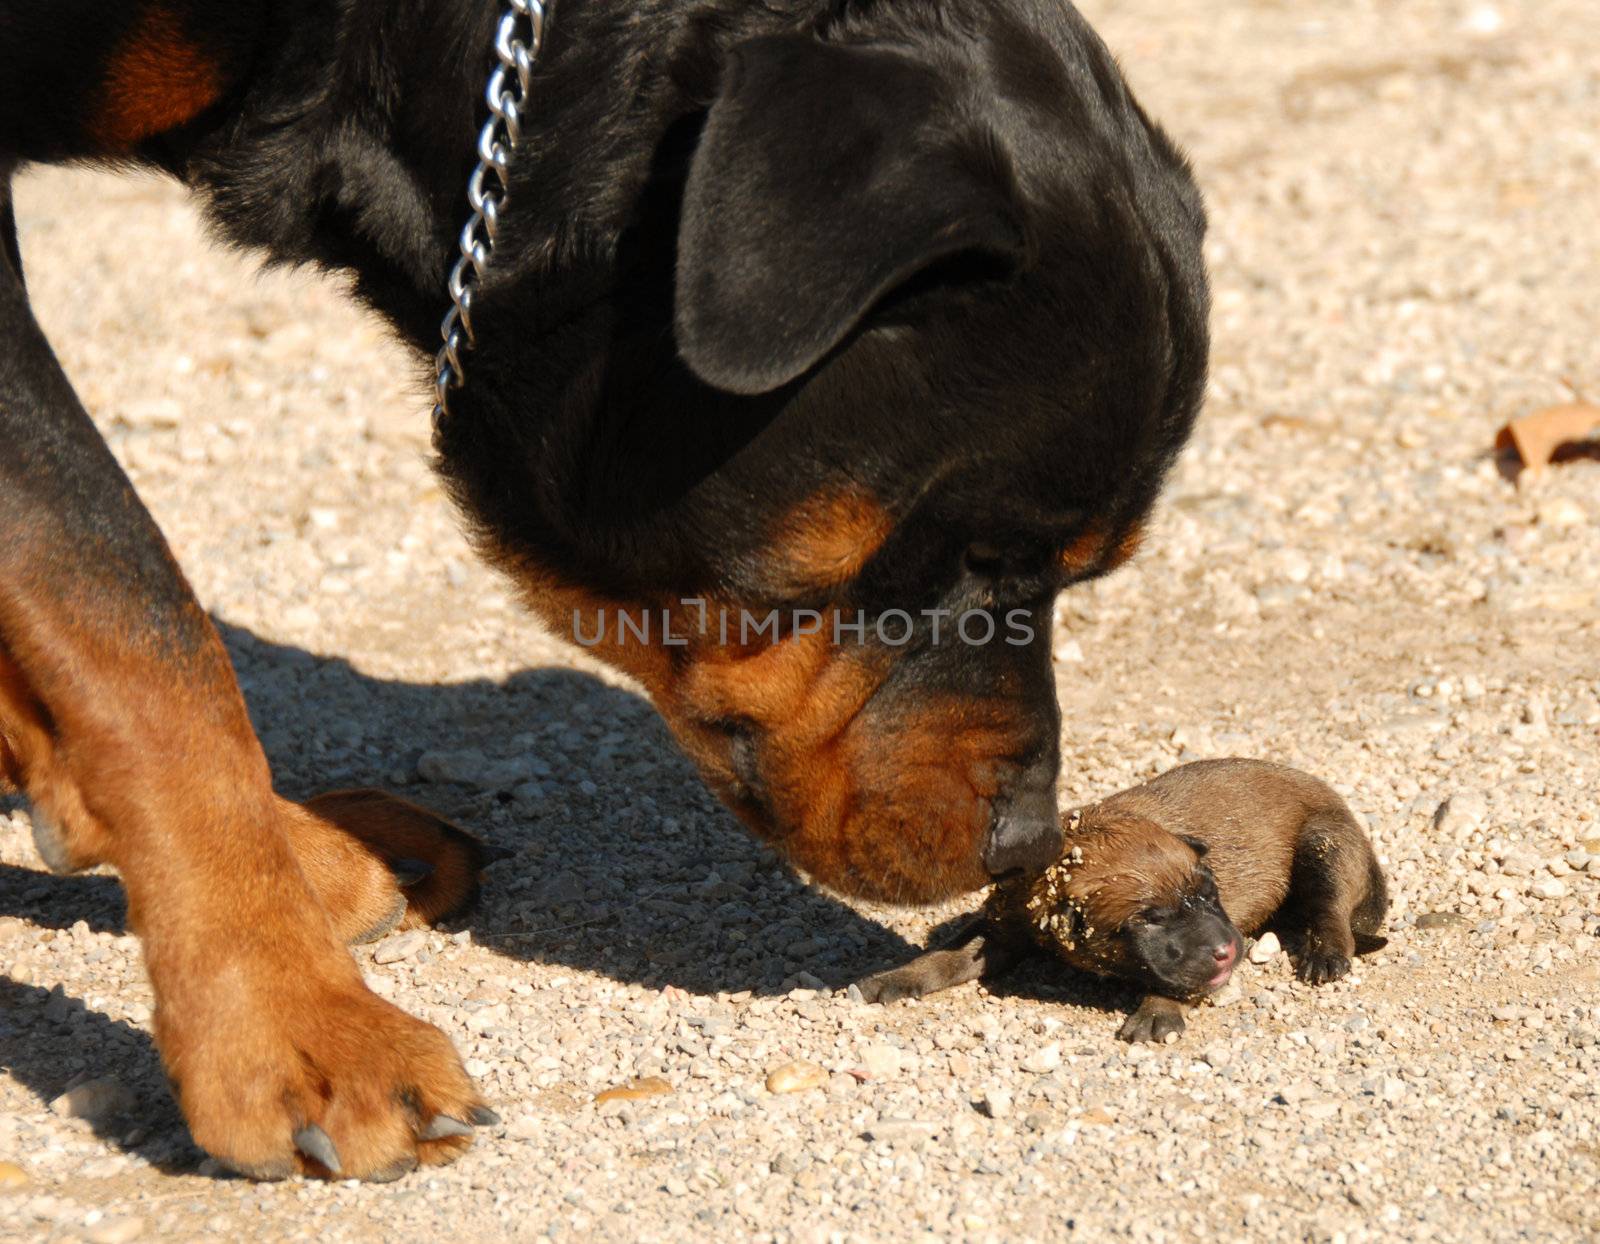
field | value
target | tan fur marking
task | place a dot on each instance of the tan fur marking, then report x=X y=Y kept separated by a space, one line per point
x=1096 y=551
x=1130 y=543
x=827 y=539
x=157 y=80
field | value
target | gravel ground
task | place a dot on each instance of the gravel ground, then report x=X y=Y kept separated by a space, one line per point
x=1343 y=578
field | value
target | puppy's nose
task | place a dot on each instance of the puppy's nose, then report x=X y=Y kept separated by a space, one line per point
x=1224 y=953
x=1026 y=832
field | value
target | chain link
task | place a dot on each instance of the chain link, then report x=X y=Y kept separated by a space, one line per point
x=518 y=40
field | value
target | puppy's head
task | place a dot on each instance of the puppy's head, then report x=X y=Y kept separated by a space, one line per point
x=897 y=334
x=1138 y=902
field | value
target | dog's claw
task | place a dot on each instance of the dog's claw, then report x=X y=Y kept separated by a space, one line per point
x=442 y=1126
x=482 y=1116
x=407 y=871
x=315 y=1143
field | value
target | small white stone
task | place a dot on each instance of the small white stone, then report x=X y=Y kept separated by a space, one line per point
x=881 y=1062
x=996 y=1102
x=1266 y=948
x=1461 y=813
x=1551 y=887
x=1043 y=1060
x=1560 y=512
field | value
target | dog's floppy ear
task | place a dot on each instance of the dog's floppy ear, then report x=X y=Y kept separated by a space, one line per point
x=822 y=180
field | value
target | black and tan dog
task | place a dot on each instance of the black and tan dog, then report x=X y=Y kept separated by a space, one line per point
x=850 y=306
x=1157 y=882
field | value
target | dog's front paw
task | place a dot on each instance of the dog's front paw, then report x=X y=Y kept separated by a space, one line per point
x=283 y=1067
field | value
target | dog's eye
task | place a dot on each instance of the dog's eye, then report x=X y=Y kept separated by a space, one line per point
x=1154 y=915
x=992 y=560
x=985 y=558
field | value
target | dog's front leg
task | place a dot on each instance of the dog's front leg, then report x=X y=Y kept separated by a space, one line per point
x=121 y=720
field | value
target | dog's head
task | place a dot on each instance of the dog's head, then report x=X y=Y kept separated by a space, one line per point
x=902 y=324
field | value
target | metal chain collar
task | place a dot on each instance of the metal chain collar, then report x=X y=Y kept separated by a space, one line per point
x=518 y=40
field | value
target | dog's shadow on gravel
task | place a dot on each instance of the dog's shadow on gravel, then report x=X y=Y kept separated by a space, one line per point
x=622 y=863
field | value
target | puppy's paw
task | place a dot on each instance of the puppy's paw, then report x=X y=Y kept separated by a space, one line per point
x=377 y=861
x=1318 y=967
x=895 y=985
x=1153 y=1022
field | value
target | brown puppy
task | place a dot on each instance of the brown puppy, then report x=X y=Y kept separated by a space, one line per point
x=1157 y=882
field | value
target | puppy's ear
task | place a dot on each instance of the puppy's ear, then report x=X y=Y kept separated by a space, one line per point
x=825 y=176
x=1200 y=848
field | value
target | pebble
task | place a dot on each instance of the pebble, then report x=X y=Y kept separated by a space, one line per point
x=12 y=1175
x=1297 y=1091
x=1550 y=887
x=1562 y=512
x=104 y=1098
x=1460 y=814
x=1069 y=652
x=115 y=1231
x=897 y=1131
x=472 y=768
x=1043 y=1060
x=399 y=946
x=996 y=1102
x=636 y=1090
x=796 y=1077
x=880 y=1062
x=1266 y=948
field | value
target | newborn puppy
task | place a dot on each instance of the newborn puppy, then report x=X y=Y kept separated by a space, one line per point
x=1157 y=882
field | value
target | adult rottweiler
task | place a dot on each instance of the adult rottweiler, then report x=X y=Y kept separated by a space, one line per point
x=837 y=308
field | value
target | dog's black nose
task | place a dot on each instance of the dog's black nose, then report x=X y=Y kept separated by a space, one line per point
x=1026 y=833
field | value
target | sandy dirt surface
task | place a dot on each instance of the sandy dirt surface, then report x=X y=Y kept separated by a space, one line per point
x=1406 y=251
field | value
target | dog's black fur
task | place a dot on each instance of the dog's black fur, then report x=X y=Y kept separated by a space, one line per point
x=927 y=256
